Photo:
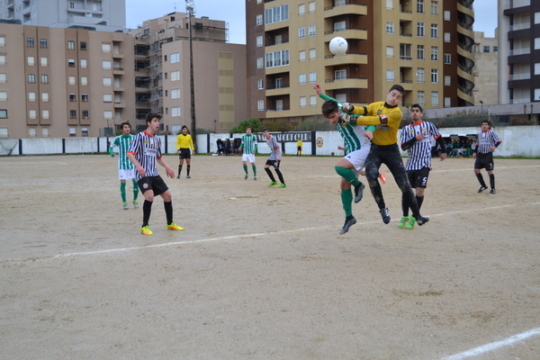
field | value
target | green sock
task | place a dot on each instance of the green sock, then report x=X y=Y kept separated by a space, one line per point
x=135 y=189
x=123 y=191
x=245 y=169
x=346 y=200
x=348 y=175
x=254 y=170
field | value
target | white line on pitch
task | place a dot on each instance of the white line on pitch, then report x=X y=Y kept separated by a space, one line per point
x=231 y=237
x=494 y=345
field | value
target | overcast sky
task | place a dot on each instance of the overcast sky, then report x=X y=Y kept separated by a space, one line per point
x=233 y=12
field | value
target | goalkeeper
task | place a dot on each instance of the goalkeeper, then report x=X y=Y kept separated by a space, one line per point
x=386 y=115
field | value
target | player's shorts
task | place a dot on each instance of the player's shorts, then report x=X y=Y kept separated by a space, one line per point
x=484 y=161
x=274 y=163
x=299 y=148
x=154 y=183
x=358 y=158
x=185 y=153
x=126 y=174
x=248 y=157
x=418 y=178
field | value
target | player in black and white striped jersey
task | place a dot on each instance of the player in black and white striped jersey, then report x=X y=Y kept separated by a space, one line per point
x=417 y=138
x=486 y=143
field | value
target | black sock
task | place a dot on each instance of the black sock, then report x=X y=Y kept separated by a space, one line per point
x=147 y=208
x=270 y=174
x=168 y=211
x=481 y=179
x=419 y=200
x=492 y=180
x=179 y=169
x=404 y=206
x=188 y=169
x=280 y=176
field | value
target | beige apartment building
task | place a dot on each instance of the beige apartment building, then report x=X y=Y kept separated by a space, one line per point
x=423 y=45
x=486 y=72
x=162 y=56
x=57 y=82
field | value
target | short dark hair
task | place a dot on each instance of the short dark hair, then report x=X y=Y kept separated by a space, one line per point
x=124 y=124
x=398 y=88
x=328 y=107
x=183 y=127
x=248 y=127
x=265 y=130
x=487 y=122
x=151 y=115
x=417 y=106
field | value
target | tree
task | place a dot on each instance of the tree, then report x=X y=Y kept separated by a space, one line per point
x=254 y=123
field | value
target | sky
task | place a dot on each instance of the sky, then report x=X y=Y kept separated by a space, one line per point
x=233 y=13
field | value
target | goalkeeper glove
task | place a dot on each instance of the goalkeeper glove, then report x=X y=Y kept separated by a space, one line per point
x=347 y=107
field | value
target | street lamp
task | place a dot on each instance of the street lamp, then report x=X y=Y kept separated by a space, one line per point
x=215 y=126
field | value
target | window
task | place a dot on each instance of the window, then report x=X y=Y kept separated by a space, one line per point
x=447 y=37
x=421 y=100
x=43 y=43
x=260 y=105
x=71 y=80
x=259 y=20
x=434 y=76
x=31 y=78
x=107 y=114
x=2 y=59
x=71 y=62
x=260 y=63
x=302 y=101
x=175 y=111
x=390 y=51
x=45 y=97
x=312 y=100
x=434 y=8
x=434 y=98
x=311 y=7
x=45 y=114
x=71 y=45
x=434 y=53
x=84 y=63
x=260 y=84
x=84 y=80
x=72 y=97
x=405 y=51
x=301 y=9
x=85 y=114
x=447 y=102
x=389 y=28
x=72 y=131
x=30 y=60
x=175 y=94
x=389 y=75
x=434 y=31
x=3 y=95
x=447 y=15
x=165 y=58
x=420 y=6
x=312 y=77
x=84 y=97
x=389 y=4
x=3 y=115
x=32 y=132
x=302 y=55
x=340 y=74
x=279 y=83
x=420 y=52
x=276 y=14
x=84 y=131
x=2 y=41
x=30 y=42
x=44 y=79
x=32 y=114
x=301 y=33
x=486 y=49
x=420 y=75
x=420 y=29
x=495 y=49
x=277 y=58
x=340 y=25
x=83 y=45
x=302 y=79
x=447 y=80
x=31 y=96
x=312 y=54
x=175 y=58
x=278 y=39
x=45 y=132
x=3 y=78
x=259 y=41
x=106 y=65
x=107 y=81
x=447 y=58
x=43 y=61
x=175 y=75
x=106 y=48
x=312 y=30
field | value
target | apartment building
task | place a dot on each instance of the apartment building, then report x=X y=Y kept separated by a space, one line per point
x=486 y=70
x=162 y=73
x=423 y=45
x=101 y=15
x=519 y=51
x=58 y=82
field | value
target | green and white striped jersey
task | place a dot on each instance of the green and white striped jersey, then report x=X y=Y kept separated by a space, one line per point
x=353 y=136
x=249 y=143
x=123 y=142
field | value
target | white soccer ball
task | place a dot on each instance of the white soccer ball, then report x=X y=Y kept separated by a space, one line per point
x=338 y=46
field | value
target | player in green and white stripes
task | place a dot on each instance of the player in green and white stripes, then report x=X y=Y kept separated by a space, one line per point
x=249 y=146
x=126 y=170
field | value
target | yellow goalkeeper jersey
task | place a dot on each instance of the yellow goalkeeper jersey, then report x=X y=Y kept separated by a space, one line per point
x=385 y=134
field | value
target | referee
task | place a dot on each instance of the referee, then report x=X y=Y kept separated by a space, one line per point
x=486 y=143
x=184 y=145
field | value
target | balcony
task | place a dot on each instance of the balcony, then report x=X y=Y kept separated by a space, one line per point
x=359 y=34
x=346 y=9
x=333 y=60
x=524 y=76
x=522 y=51
x=278 y=91
x=118 y=55
x=346 y=83
x=512 y=4
x=520 y=101
x=118 y=70
x=119 y=104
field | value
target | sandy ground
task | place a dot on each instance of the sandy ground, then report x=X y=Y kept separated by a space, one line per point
x=262 y=273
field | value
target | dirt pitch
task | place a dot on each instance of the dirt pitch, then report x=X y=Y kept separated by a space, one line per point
x=261 y=273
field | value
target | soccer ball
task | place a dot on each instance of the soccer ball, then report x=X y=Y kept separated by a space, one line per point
x=338 y=46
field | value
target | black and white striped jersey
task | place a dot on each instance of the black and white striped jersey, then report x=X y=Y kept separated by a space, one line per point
x=485 y=140
x=147 y=149
x=420 y=152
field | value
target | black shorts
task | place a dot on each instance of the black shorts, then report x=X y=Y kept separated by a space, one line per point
x=274 y=163
x=299 y=148
x=154 y=183
x=418 y=178
x=185 y=154
x=484 y=161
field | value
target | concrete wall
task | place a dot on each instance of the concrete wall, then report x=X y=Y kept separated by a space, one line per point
x=517 y=141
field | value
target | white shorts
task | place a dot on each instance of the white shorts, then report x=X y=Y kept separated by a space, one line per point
x=126 y=174
x=358 y=158
x=248 y=157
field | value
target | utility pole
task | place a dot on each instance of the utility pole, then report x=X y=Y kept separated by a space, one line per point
x=190 y=9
